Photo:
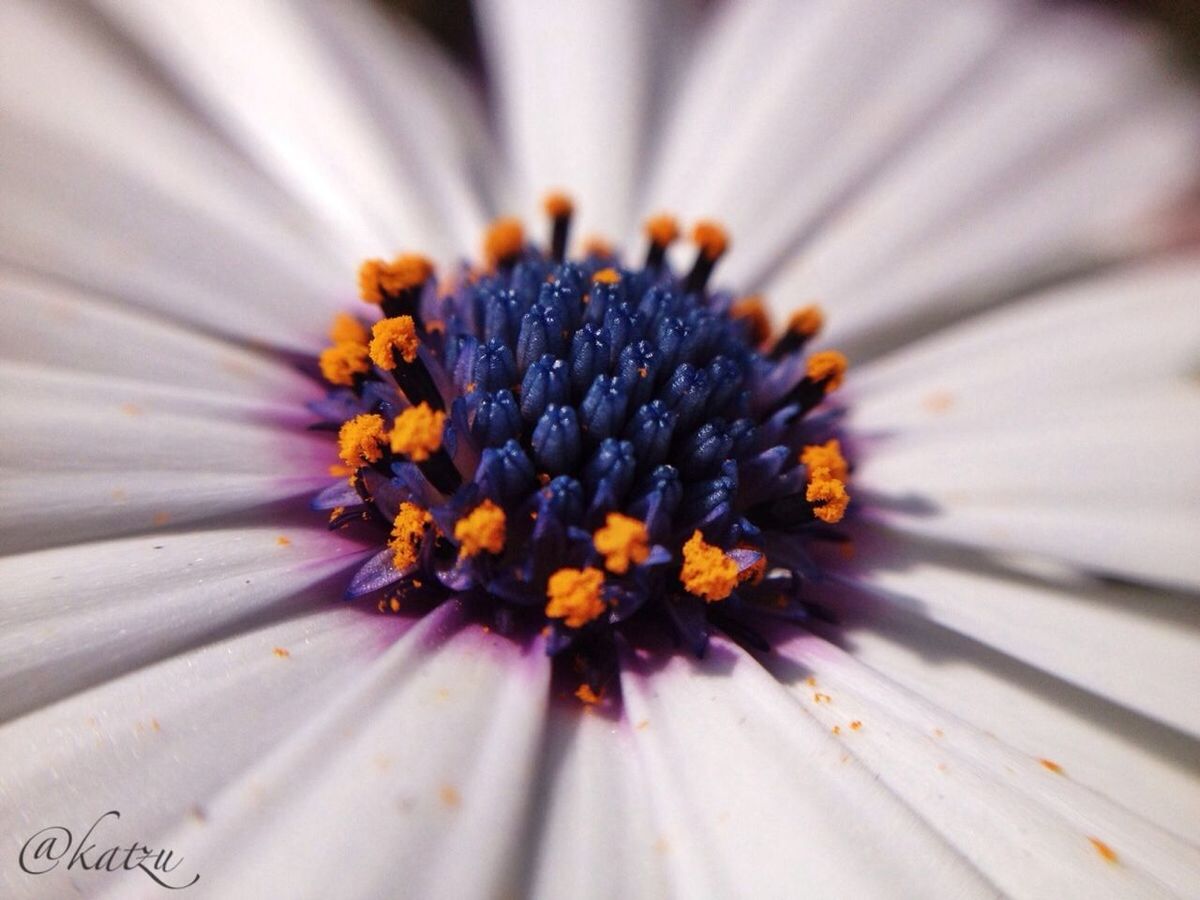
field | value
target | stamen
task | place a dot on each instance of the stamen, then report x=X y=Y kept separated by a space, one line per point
x=752 y=311
x=707 y=572
x=575 y=596
x=346 y=329
x=395 y=286
x=503 y=242
x=662 y=231
x=408 y=533
x=712 y=242
x=417 y=432
x=827 y=369
x=622 y=541
x=390 y=335
x=343 y=364
x=559 y=208
x=828 y=494
x=826 y=456
x=484 y=528
x=802 y=327
x=361 y=439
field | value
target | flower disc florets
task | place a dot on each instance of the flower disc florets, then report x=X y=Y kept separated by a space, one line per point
x=583 y=446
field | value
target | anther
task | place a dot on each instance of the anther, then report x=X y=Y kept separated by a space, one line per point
x=408 y=533
x=712 y=242
x=559 y=208
x=575 y=596
x=410 y=372
x=417 y=433
x=395 y=286
x=503 y=242
x=482 y=529
x=361 y=439
x=662 y=231
x=751 y=311
x=348 y=329
x=623 y=541
x=344 y=363
x=707 y=571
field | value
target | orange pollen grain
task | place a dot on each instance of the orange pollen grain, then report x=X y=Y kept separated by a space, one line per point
x=483 y=528
x=346 y=329
x=360 y=440
x=557 y=204
x=710 y=238
x=707 y=572
x=807 y=321
x=662 y=229
x=855 y=725
x=622 y=541
x=378 y=279
x=1051 y=765
x=417 y=432
x=753 y=312
x=408 y=533
x=825 y=456
x=1107 y=853
x=587 y=695
x=575 y=596
x=390 y=335
x=341 y=362
x=504 y=239
x=828 y=366
x=607 y=276
x=828 y=494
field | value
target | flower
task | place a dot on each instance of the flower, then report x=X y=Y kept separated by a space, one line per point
x=979 y=197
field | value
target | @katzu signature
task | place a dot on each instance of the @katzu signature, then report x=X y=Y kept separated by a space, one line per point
x=49 y=848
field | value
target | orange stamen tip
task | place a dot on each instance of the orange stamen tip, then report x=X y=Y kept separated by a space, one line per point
x=346 y=329
x=377 y=279
x=826 y=456
x=828 y=366
x=710 y=238
x=408 y=533
x=341 y=362
x=360 y=440
x=557 y=204
x=662 y=230
x=575 y=596
x=390 y=335
x=622 y=541
x=827 y=494
x=806 y=321
x=483 y=528
x=417 y=432
x=587 y=695
x=707 y=572
x=607 y=276
x=504 y=239
x=753 y=312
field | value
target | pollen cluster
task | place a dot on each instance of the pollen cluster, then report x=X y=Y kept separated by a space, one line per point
x=583 y=447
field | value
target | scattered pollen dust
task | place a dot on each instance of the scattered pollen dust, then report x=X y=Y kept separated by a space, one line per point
x=1052 y=766
x=131 y=409
x=642 y=725
x=837 y=729
x=937 y=732
x=855 y=725
x=1107 y=853
x=120 y=495
x=162 y=517
x=442 y=693
x=383 y=762
x=938 y=401
x=283 y=540
x=282 y=652
x=811 y=681
x=818 y=697
x=662 y=845
x=450 y=797
x=154 y=724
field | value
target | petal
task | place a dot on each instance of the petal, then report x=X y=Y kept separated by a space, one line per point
x=159 y=743
x=435 y=764
x=77 y=615
x=752 y=795
x=1030 y=830
x=574 y=88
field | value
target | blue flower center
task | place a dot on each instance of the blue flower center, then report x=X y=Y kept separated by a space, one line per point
x=583 y=447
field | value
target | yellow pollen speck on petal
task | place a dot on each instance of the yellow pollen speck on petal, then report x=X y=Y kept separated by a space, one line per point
x=1107 y=853
x=378 y=279
x=710 y=238
x=807 y=321
x=828 y=494
x=607 y=276
x=856 y=725
x=503 y=240
x=390 y=335
x=449 y=796
x=281 y=652
x=483 y=528
x=341 y=362
x=348 y=330
x=557 y=204
x=753 y=312
x=826 y=456
x=408 y=533
x=1051 y=765
x=622 y=541
x=283 y=541
x=575 y=596
x=360 y=440
x=417 y=432
x=828 y=366
x=587 y=695
x=707 y=572
x=662 y=230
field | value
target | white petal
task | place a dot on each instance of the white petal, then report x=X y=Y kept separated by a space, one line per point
x=160 y=742
x=281 y=79
x=574 y=86
x=435 y=763
x=754 y=797
x=75 y=615
x=1027 y=829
